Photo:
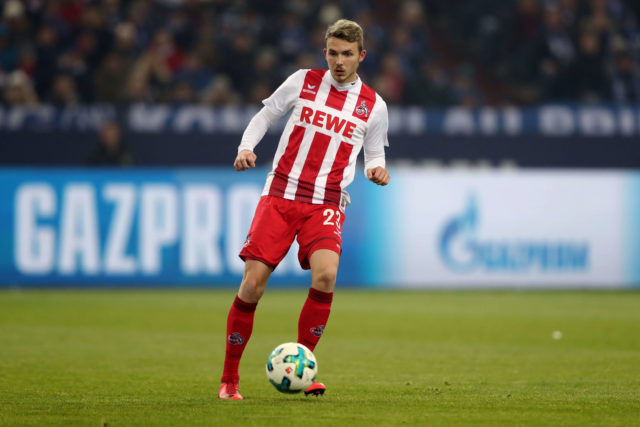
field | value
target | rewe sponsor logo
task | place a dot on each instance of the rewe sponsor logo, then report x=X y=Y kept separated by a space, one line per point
x=463 y=252
x=327 y=121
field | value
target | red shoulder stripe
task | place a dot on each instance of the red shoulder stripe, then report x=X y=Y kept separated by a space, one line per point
x=311 y=84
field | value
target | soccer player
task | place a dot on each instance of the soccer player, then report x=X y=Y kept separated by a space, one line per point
x=334 y=115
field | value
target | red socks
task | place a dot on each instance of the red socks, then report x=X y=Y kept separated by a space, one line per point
x=239 y=327
x=313 y=317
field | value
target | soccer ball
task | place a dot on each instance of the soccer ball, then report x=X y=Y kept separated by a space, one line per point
x=291 y=367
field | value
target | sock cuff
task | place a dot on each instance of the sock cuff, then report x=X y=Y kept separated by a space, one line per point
x=247 y=307
x=230 y=378
x=319 y=296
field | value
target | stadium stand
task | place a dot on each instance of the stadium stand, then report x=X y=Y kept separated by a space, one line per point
x=222 y=52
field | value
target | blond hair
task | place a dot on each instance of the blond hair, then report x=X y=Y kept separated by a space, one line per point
x=345 y=30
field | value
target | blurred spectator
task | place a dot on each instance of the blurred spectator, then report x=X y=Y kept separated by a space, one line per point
x=8 y=51
x=182 y=93
x=465 y=93
x=625 y=74
x=293 y=36
x=28 y=62
x=64 y=92
x=266 y=66
x=19 y=90
x=412 y=20
x=589 y=70
x=430 y=87
x=110 y=150
x=557 y=55
x=522 y=32
x=221 y=93
x=16 y=19
x=79 y=62
x=125 y=43
x=259 y=91
x=390 y=82
x=111 y=79
x=194 y=72
x=47 y=51
x=158 y=65
x=138 y=90
x=240 y=56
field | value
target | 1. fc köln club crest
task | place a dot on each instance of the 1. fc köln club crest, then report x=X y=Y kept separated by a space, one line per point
x=362 y=109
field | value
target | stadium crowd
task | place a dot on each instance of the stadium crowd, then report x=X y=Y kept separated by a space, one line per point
x=230 y=52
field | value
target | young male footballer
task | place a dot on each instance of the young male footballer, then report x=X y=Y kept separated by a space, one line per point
x=333 y=116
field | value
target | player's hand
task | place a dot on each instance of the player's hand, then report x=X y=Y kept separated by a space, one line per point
x=378 y=175
x=246 y=159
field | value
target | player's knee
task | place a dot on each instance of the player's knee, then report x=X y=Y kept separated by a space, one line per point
x=252 y=283
x=325 y=279
x=252 y=288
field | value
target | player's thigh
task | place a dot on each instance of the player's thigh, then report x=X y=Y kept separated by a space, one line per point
x=321 y=230
x=270 y=235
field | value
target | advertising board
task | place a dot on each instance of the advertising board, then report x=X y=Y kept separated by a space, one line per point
x=185 y=227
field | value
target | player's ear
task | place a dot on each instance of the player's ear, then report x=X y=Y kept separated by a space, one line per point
x=362 y=55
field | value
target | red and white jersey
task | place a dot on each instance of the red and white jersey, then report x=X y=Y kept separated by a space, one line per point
x=329 y=125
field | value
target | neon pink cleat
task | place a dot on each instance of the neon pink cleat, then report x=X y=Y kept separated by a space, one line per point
x=316 y=389
x=229 y=391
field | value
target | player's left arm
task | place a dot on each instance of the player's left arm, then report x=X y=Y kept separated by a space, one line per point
x=378 y=175
x=374 y=142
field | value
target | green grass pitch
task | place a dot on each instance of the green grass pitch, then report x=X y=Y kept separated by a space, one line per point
x=388 y=358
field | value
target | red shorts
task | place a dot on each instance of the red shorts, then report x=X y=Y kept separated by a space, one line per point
x=278 y=221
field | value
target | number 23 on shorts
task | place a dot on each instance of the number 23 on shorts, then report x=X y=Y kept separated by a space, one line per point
x=333 y=217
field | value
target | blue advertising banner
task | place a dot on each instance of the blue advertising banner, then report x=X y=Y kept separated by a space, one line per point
x=510 y=229
x=185 y=227
x=138 y=227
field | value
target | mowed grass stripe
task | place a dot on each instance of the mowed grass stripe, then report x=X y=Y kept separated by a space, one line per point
x=388 y=357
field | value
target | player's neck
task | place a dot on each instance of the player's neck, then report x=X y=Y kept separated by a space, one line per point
x=344 y=85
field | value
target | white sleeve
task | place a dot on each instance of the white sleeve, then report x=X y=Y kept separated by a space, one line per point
x=373 y=160
x=376 y=138
x=256 y=129
x=283 y=99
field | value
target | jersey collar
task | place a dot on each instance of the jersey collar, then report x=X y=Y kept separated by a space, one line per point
x=344 y=86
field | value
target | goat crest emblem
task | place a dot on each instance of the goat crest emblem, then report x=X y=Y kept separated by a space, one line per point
x=362 y=109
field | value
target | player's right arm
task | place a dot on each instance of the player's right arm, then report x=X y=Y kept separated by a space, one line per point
x=276 y=106
x=254 y=132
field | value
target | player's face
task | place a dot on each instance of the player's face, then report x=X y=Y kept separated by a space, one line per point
x=343 y=58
